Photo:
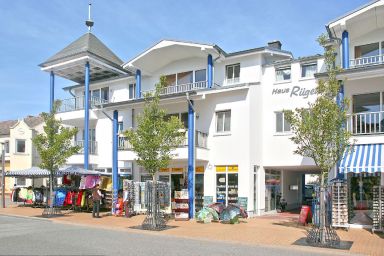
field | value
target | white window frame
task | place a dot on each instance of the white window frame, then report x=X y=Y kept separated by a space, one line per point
x=25 y=146
x=133 y=96
x=282 y=124
x=224 y=117
x=281 y=69
x=306 y=65
x=234 y=79
x=6 y=147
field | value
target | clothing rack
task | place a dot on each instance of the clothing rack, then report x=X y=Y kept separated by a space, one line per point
x=378 y=209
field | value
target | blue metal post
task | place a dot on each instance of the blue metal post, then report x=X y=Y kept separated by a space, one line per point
x=86 y=117
x=52 y=91
x=191 y=158
x=115 y=177
x=138 y=84
x=340 y=103
x=345 y=49
x=210 y=71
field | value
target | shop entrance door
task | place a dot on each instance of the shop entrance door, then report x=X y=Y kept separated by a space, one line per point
x=272 y=189
x=361 y=196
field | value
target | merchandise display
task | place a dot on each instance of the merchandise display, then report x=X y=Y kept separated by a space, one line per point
x=339 y=204
x=378 y=209
x=181 y=206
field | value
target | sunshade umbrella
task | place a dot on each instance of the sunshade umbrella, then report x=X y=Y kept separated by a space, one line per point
x=231 y=213
x=218 y=207
x=30 y=172
x=75 y=170
x=206 y=215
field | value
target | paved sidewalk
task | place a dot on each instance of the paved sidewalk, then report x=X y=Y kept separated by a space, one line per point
x=272 y=230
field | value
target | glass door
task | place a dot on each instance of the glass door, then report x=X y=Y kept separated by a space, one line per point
x=272 y=189
x=221 y=191
x=199 y=191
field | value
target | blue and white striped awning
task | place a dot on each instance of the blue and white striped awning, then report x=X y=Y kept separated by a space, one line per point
x=365 y=158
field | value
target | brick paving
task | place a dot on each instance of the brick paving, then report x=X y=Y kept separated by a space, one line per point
x=271 y=230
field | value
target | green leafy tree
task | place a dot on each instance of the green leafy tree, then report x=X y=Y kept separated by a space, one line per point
x=156 y=136
x=54 y=145
x=318 y=129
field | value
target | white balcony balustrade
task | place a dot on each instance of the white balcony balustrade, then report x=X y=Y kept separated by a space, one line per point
x=200 y=141
x=365 y=123
x=235 y=80
x=92 y=146
x=78 y=103
x=366 y=61
x=178 y=88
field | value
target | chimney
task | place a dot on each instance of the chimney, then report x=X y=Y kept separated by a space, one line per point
x=275 y=44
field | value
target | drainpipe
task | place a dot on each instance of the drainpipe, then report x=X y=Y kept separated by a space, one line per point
x=52 y=91
x=115 y=174
x=191 y=157
x=86 y=116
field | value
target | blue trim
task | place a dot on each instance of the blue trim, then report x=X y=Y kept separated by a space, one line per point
x=340 y=104
x=191 y=158
x=138 y=84
x=115 y=177
x=345 y=49
x=361 y=159
x=379 y=160
x=373 y=157
x=52 y=91
x=86 y=117
x=210 y=71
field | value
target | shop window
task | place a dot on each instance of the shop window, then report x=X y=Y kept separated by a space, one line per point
x=131 y=91
x=283 y=74
x=201 y=75
x=308 y=70
x=227 y=184
x=185 y=78
x=223 y=121
x=20 y=146
x=21 y=181
x=282 y=125
x=233 y=73
x=199 y=191
x=145 y=177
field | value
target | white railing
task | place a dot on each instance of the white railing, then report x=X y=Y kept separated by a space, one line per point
x=77 y=103
x=234 y=80
x=365 y=123
x=201 y=139
x=179 y=88
x=92 y=146
x=366 y=61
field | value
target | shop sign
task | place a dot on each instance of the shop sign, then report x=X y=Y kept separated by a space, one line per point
x=295 y=91
x=233 y=168
x=242 y=202
x=200 y=169
x=164 y=169
x=221 y=168
x=177 y=169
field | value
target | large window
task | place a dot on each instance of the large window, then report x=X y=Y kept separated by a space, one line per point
x=170 y=80
x=283 y=74
x=200 y=75
x=364 y=103
x=20 y=146
x=227 y=184
x=223 y=121
x=282 y=125
x=308 y=70
x=233 y=73
x=185 y=78
x=367 y=50
x=131 y=91
x=182 y=116
x=367 y=117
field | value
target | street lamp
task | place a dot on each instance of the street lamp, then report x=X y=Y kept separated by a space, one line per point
x=2 y=174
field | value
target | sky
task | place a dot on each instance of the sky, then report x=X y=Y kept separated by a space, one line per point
x=33 y=31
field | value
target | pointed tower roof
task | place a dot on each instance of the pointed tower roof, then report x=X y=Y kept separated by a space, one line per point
x=69 y=62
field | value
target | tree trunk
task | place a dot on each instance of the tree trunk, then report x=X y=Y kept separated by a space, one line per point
x=51 y=191
x=153 y=204
x=322 y=210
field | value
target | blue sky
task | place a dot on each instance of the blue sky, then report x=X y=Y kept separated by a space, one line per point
x=32 y=31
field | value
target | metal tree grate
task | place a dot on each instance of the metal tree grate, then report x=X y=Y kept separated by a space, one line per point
x=323 y=237
x=155 y=218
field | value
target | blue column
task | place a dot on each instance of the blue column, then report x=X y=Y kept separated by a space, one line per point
x=340 y=103
x=86 y=116
x=191 y=158
x=210 y=71
x=138 y=84
x=345 y=49
x=52 y=91
x=115 y=177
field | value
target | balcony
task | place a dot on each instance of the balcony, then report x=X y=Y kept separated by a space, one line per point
x=92 y=146
x=201 y=139
x=77 y=103
x=230 y=81
x=169 y=90
x=366 y=123
x=366 y=61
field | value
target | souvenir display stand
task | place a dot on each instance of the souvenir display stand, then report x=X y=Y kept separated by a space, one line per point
x=378 y=209
x=181 y=209
x=340 y=204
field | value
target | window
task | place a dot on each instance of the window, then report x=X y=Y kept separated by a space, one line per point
x=170 y=80
x=367 y=50
x=282 y=124
x=283 y=74
x=200 y=75
x=91 y=134
x=227 y=184
x=233 y=73
x=104 y=92
x=20 y=181
x=223 y=121
x=185 y=77
x=6 y=147
x=364 y=103
x=20 y=146
x=308 y=70
x=184 y=119
x=131 y=91
x=120 y=127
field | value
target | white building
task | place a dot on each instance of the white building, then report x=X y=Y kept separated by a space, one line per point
x=242 y=141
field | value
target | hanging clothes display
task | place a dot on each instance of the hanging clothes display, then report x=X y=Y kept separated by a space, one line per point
x=60 y=196
x=106 y=183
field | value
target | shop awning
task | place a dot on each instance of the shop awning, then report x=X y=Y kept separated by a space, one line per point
x=38 y=172
x=365 y=158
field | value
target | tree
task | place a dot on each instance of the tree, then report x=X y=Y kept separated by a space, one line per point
x=54 y=145
x=319 y=129
x=153 y=141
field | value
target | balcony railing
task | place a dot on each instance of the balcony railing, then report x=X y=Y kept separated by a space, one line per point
x=92 y=146
x=366 y=61
x=77 y=103
x=179 y=88
x=200 y=141
x=234 y=80
x=366 y=123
